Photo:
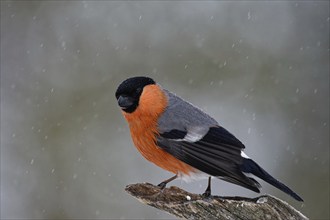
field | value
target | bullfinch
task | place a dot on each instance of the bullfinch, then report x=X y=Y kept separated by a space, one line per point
x=182 y=139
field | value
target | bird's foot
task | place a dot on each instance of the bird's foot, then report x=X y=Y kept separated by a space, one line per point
x=162 y=185
x=206 y=194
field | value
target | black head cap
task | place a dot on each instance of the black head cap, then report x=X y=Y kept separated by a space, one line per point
x=129 y=91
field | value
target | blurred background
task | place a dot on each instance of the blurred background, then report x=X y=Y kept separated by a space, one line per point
x=260 y=68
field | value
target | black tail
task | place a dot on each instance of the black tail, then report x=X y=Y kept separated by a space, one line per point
x=249 y=166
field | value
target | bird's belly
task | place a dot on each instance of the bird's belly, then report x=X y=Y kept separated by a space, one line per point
x=158 y=156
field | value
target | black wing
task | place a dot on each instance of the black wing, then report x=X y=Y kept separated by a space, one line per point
x=218 y=154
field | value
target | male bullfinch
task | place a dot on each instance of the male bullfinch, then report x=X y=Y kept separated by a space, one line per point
x=181 y=138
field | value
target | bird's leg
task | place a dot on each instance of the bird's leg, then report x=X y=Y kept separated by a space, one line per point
x=162 y=185
x=207 y=192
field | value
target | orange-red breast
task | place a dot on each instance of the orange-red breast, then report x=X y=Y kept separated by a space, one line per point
x=181 y=138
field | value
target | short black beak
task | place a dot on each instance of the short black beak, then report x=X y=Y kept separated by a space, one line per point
x=125 y=102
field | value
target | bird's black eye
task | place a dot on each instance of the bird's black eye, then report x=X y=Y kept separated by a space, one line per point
x=135 y=93
x=138 y=90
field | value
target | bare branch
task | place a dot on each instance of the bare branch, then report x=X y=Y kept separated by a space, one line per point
x=194 y=206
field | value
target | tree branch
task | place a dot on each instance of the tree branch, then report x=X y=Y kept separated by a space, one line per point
x=193 y=206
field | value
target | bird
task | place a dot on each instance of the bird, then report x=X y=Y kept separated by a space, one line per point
x=181 y=138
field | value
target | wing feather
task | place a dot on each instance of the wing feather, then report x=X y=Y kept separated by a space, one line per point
x=218 y=156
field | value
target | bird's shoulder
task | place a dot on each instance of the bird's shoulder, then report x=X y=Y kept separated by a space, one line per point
x=183 y=116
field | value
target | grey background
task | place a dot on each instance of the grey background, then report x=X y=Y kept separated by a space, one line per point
x=260 y=68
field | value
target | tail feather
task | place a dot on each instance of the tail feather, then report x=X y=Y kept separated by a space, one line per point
x=249 y=166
